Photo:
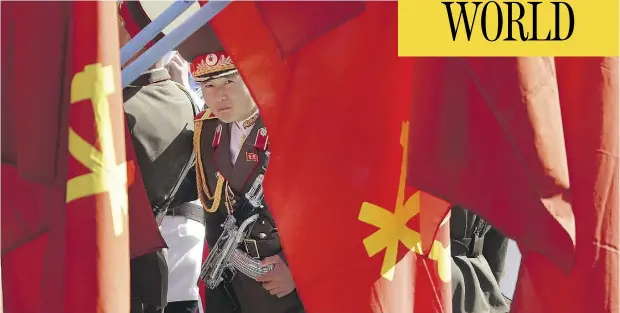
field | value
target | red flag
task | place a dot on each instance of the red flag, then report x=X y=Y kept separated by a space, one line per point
x=24 y=62
x=357 y=132
x=589 y=98
x=61 y=251
x=28 y=178
x=487 y=134
x=97 y=251
x=338 y=120
x=34 y=153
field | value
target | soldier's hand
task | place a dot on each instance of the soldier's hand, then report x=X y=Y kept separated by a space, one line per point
x=279 y=281
x=179 y=70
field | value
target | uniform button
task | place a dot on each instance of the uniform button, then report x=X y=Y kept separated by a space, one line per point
x=262 y=222
x=262 y=235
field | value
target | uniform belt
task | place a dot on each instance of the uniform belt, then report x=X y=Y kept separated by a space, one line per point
x=258 y=249
x=189 y=210
x=469 y=247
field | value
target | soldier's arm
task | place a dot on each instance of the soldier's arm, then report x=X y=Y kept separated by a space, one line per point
x=494 y=251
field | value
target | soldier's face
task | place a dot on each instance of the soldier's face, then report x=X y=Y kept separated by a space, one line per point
x=228 y=98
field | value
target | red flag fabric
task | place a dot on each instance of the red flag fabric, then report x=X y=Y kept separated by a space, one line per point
x=24 y=146
x=345 y=212
x=54 y=253
x=589 y=98
x=487 y=134
x=97 y=250
x=42 y=105
x=26 y=167
x=33 y=198
x=357 y=133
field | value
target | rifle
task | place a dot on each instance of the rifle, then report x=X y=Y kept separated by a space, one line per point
x=225 y=256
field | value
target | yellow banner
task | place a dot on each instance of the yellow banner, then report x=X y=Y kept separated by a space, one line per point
x=508 y=28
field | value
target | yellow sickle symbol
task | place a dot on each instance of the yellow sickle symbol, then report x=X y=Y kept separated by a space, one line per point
x=393 y=226
x=96 y=83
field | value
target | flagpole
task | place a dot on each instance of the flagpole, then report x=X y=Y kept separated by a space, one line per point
x=153 y=28
x=172 y=40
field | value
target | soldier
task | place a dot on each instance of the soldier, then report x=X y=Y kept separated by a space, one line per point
x=232 y=151
x=183 y=226
x=478 y=257
x=160 y=114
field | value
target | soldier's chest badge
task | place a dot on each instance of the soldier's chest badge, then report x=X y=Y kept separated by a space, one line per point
x=251 y=157
x=261 y=139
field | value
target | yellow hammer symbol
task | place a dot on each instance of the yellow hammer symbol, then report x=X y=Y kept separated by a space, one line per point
x=393 y=226
x=96 y=83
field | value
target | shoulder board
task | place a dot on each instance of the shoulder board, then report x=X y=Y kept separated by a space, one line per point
x=205 y=115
